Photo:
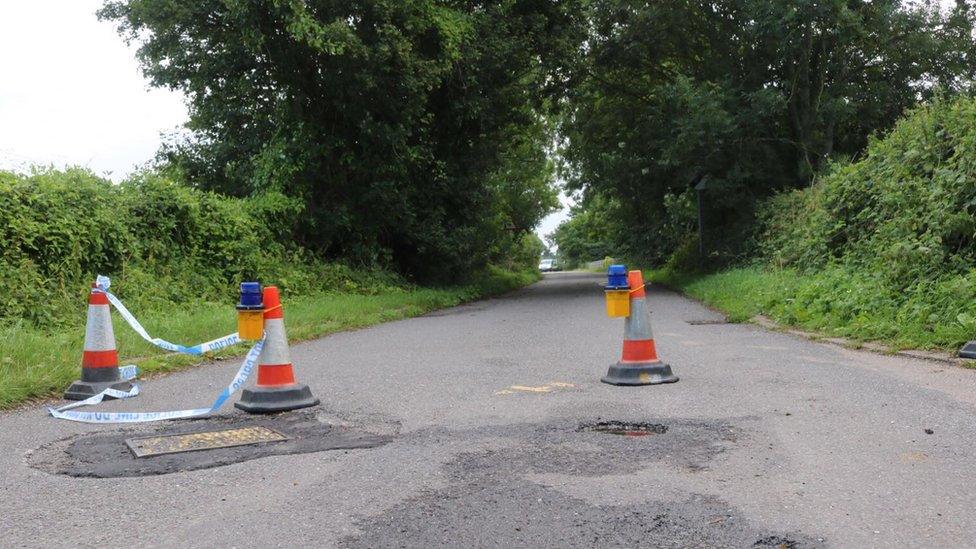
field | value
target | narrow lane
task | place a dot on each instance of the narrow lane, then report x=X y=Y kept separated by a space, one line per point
x=770 y=439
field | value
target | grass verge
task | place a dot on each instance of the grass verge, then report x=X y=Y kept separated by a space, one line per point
x=837 y=302
x=40 y=363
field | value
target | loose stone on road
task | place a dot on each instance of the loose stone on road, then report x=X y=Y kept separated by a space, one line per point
x=486 y=425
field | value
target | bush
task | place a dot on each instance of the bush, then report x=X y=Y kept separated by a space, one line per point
x=905 y=212
x=525 y=253
x=885 y=246
x=162 y=243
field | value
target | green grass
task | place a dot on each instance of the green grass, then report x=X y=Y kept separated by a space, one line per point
x=840 y=302
x=40 y=363
x=739 y=293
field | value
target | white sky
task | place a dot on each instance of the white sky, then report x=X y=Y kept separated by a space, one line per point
x=71 y=92
x=553 y=220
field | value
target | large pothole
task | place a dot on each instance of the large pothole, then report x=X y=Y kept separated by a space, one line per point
x=107 y=454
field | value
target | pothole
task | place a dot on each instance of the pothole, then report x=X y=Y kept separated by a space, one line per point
x=624 y=428
x=777 y=542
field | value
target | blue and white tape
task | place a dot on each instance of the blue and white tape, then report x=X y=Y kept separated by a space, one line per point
x=128 y=372
x=103 y=283
x=65 y=412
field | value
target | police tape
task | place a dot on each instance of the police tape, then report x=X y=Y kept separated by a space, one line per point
x=65 y=412
x=128 y=372
x=102 y=284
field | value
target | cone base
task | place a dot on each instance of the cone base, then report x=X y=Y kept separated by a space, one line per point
x=968 y=350
x=267 y=400
x=640 y=373
x=80 y=390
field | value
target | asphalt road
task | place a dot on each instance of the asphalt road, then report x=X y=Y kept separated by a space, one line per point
x=770 y=440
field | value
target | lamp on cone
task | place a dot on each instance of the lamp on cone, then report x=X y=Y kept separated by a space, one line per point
x=100 y=360
x=276 y=389
x=639 y=364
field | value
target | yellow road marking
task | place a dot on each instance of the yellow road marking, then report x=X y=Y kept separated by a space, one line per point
x=547 y=388
x=540 y=389
x=913 y=457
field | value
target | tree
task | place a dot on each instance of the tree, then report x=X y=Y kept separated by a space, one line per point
x=591 y=233
x=756 y=94
x=413 y=131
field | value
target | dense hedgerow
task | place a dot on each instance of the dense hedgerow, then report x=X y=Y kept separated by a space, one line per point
x=906 y=210
x=890 y=239
x=162 y=243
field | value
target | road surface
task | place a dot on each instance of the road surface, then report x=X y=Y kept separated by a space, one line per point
x=770 y=440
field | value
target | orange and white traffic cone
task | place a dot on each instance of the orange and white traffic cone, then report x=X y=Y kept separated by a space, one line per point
x=276 y=389
x=639 y=364
x=100 y=361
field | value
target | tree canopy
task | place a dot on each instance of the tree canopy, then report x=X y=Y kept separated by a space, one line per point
x=754 y=95
x=427 y=134
x=415 y=133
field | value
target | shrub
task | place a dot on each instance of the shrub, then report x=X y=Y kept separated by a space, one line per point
x=886 y=245
x=905 y=211
x=161 y=242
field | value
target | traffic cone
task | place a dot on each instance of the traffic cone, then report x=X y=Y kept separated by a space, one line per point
x=100 y=361
x=276 y=390
x=639 y=364
x=968 y=350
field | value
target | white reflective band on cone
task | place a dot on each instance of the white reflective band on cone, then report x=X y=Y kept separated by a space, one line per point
x=98 y=329
x=638 y=324
x=276 y=348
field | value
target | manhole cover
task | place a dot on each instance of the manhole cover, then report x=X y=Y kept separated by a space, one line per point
x=207 y=440
x=707 y=322
x=625 y=428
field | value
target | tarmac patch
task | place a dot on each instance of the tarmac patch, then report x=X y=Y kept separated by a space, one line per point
x=106 y=454
x=491 y=499
x=777 y=542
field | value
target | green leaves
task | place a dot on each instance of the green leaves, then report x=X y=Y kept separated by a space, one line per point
x=164 y=245
x=896 y=222
x=760 y=94
x=411 y=132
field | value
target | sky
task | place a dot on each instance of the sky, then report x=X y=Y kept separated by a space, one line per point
x=71 y=92
x=549 y=224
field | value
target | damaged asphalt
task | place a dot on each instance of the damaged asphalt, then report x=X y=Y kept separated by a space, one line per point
x=474 y=426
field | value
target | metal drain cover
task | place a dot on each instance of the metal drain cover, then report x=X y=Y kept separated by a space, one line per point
x=207 y=440
x=707 y=322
